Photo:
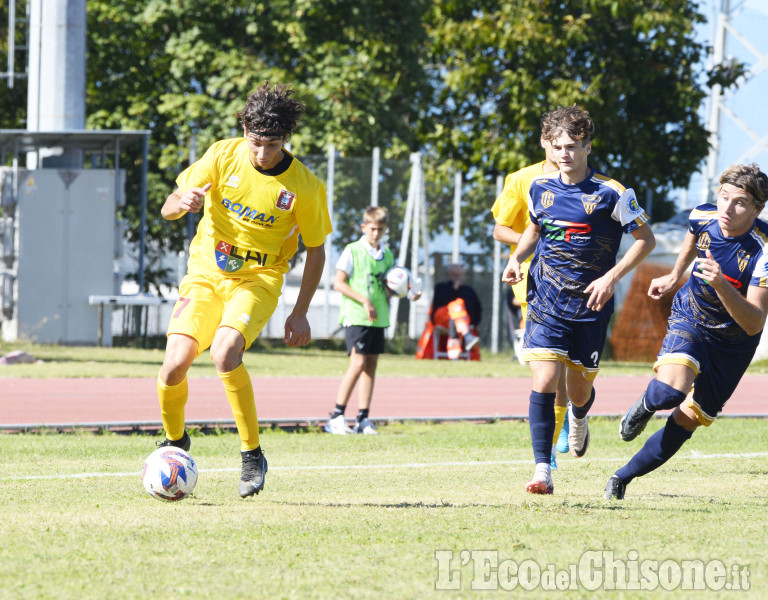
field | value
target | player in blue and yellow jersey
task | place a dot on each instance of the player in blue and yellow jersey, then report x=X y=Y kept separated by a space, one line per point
x=257 y=200
x=715 y=325
x=510 y=211
x=578 y=217
x=364 y=313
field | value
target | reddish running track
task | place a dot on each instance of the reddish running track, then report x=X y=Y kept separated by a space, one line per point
x=72 y=402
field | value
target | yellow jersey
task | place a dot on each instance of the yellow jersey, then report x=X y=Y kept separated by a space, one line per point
x=252 y=221
x=511 y=207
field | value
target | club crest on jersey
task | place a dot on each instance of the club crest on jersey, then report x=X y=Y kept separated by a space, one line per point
x=547 y=199
x=589 y=202
x=285 y=200
x=229 y=258
x=233 y=181
x=703 y=242
x=743 y=259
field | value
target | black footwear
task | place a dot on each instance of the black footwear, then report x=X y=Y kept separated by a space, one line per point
x=635 y=420
x=615 y=488
x=254 y=470
x=184 y=443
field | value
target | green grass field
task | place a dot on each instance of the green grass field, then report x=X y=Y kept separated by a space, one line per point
x=420 y=511
x=404 y=514
x=89 y=361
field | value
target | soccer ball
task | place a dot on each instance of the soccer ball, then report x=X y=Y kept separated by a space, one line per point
x=169 y=473
x=398 y=281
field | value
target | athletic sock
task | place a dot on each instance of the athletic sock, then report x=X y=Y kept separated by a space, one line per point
x=560 y=412
x=657 y=450
x=237 y=386
x=362 y=414
x=579 y=412
x=338 y=411
x=660 y=396
x=173 y=399
x=541 y=419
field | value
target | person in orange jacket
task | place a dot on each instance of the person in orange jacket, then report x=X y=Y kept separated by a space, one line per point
x=456 y=306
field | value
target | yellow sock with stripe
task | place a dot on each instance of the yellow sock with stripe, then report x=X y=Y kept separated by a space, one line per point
x=173 y=399
x=237 y=385
x=560 y=412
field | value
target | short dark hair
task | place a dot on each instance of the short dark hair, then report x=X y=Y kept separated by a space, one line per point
x=750 y=179
x=573 y=120
x=271 y=112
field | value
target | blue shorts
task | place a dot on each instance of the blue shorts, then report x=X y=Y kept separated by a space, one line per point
x=579 y=344
x=364 y=339
x=718 y=367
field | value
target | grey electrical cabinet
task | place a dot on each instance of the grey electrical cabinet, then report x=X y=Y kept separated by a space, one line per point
x=63 y=249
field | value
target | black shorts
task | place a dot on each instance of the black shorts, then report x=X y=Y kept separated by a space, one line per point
x=365 y=339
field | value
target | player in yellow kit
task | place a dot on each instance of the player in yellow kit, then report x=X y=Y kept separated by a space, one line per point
x=257 y=199
x=510 y=212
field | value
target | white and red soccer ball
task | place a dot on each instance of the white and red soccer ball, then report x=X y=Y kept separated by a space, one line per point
x=398 y=281
x=169 y=473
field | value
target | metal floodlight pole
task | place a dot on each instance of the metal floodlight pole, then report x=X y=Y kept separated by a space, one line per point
x=497 y=296
x=191 y=220
x=413 y=187
x=456 y=217
x=413 y=184
x=11 y=42
x=143 y=226
x=329 y=194
x=715 y=101
x=375 y=176
x=427 y=281
x=415 y=250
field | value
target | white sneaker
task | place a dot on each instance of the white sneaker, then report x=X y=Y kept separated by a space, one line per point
x=470 y=341
x=541 y=482
x=578 y=434
x=365 y=427
x=337 y=425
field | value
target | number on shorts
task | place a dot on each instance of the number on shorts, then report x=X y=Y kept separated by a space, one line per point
x=182 y=304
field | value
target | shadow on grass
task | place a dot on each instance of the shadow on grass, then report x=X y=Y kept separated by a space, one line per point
x=385 y=504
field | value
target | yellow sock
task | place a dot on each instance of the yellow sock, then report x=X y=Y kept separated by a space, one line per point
x=173 y=399
x=560 y=412
x=237 y=385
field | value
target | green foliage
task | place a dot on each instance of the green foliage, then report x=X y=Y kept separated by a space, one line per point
x=464 y=82
x=634 y=65
x=189 y=71
x=273 y=358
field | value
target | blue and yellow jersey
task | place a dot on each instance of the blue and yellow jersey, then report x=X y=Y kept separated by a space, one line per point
x=743 y=261
x=511 y=207
x=252 y=221
x=581 y=229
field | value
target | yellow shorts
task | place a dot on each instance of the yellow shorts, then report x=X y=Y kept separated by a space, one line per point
x=207 y=302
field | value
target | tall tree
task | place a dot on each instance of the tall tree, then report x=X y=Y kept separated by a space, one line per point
x=466 y=81
x=636 y=66
x=183 y=68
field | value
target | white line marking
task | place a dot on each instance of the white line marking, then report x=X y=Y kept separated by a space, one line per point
x=694 y=455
